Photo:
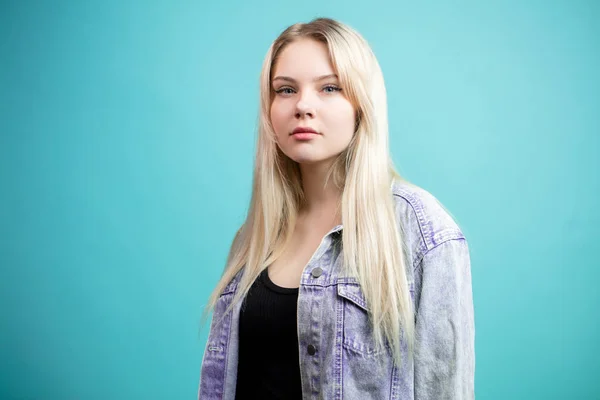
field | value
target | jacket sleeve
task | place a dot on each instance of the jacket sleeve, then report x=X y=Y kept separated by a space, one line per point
x=444 y=324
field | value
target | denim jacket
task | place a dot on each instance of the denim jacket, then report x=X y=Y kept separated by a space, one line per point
x=342 y=362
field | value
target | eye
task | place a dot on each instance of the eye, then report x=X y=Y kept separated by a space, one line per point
x=285 y=90
x=331 y=89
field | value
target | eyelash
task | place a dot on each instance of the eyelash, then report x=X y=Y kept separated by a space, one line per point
x=335 y=89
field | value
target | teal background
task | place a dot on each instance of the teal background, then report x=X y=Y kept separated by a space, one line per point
x=126 y=145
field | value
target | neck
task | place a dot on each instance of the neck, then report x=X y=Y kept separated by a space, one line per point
x=321 y=199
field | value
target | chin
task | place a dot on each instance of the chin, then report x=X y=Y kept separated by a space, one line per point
x=307 y=156
x=307 y=160
x=304 y=160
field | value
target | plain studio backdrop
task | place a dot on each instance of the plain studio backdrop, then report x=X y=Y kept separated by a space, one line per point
x=127 y=134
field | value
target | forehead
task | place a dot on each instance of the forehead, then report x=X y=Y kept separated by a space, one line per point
x=304 y=58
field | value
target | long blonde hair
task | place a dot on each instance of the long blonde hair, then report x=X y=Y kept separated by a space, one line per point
x=373 y=250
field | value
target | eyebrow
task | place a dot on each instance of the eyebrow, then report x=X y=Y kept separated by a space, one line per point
x=320 y=78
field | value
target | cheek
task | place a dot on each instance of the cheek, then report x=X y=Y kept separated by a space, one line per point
x=277 y=117
x=345 y=117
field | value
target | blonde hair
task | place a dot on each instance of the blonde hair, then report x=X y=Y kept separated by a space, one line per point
x=373 y=250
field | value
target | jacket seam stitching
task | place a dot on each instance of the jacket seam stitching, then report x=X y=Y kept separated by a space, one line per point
x=420 y=259
x=226 y=364
x=417 y=213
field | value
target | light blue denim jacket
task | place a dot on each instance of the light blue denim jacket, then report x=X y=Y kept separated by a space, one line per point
x=332 y=317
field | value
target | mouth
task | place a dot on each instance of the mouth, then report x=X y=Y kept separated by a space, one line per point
x=303 y=130
x=304 y=135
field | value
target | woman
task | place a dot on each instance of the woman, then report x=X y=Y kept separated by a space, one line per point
x=345 y=281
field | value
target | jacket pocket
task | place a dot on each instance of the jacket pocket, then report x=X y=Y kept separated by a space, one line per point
x=357 y=328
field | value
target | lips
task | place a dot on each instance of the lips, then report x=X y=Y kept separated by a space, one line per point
x=303 y=129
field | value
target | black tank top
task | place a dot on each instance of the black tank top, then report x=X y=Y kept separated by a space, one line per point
x=268 y=364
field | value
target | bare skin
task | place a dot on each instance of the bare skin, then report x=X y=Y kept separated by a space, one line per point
x=308 y=233
x=308 y=94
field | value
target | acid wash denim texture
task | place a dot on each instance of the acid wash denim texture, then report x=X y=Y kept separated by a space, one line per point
x=332 y=317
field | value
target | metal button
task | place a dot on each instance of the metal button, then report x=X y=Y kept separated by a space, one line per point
x=311 y=349
x=317 y=272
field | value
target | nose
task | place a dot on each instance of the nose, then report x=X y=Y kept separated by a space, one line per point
x=305 y=107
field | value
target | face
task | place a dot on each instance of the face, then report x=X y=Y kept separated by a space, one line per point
x=308 y=96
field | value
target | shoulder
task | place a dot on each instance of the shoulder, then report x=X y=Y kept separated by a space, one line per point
x=424 y=221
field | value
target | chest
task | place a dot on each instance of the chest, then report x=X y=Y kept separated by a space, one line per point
x=286 y=270
x=334 y=341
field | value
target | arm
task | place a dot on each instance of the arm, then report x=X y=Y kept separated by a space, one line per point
x=445 y=328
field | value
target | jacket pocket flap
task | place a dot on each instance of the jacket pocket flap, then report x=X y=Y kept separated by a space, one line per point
x=353 y=293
